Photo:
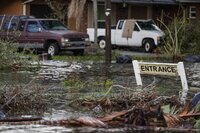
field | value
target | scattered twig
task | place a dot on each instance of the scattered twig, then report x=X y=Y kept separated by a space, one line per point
x=17 y=94
x=110 y=88
x=152 y=85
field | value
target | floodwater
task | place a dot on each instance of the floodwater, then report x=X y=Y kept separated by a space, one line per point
x=52 y=77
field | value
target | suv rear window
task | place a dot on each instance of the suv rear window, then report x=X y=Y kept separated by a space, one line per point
x=9 y=26
x=9 y=22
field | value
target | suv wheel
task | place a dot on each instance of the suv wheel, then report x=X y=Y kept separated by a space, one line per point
x=53 y=49
x=148 y=45
x=102 y=43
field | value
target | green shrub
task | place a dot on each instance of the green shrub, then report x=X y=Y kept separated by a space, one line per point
x=191 y=42
x=8 y=55
x=181 y=37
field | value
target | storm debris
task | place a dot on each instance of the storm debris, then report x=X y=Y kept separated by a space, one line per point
x=164 y=113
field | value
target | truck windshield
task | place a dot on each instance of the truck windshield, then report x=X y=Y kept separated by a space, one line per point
x=52 y=25
x=146 y=25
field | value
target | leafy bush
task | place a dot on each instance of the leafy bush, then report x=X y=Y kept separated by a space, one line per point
x=191 y=42
x=8 y=55
x=181 y=37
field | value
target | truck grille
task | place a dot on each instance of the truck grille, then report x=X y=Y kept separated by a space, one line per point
x=76 y=39
x=77 y=45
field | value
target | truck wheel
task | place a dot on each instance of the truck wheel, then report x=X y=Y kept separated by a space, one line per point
x=78 y=52
x=102 y=43
x=148 y=45
x=53 y=49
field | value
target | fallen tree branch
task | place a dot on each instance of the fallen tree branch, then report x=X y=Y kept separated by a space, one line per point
x=190 y=115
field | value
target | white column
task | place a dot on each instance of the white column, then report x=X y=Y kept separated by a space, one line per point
x=24 y=9
x=24 y=5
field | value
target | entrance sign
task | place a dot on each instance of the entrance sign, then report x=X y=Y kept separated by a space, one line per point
x=169 y=69
x=158 y=69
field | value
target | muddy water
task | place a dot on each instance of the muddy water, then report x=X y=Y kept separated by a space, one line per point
x=88 y=73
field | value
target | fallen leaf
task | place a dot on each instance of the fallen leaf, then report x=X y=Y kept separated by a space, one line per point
x=113 y=115
x=90 y=121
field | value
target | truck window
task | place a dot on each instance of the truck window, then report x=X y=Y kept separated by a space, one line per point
x=32 y=26
x=136 y=28
x=121 y=22
x=146 y=25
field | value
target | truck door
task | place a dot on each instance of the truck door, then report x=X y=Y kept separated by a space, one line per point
x=136 y=38
x=33 y=36
x=119 y=40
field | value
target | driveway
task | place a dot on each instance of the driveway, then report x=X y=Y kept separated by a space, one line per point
x=123 y=51
x=136 y=53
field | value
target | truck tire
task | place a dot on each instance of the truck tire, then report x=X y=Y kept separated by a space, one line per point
x=102 y=43
x=148 y=45
x=78 y=52
x=53 y=49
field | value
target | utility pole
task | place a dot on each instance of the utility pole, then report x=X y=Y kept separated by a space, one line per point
x=108 y=31
x=95 y=21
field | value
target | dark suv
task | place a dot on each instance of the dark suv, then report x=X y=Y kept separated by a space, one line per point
x=48 y=34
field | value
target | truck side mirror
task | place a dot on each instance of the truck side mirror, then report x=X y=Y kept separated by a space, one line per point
x=39 y=29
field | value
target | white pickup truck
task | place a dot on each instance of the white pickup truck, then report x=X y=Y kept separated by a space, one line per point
x=131 y=33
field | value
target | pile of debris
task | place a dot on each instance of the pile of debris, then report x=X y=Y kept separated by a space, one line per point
x=148 y=112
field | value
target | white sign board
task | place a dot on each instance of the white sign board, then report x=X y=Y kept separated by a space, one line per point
x=170 y=69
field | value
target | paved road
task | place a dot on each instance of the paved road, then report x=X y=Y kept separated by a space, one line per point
x=125 y=51
x=132 y=53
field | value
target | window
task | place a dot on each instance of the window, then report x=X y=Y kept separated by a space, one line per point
x=32 y=26
x=52 y=25
x=5 y=26
x=146 y=25
x=136 y=28
x=192 y=12
x=101 y=16
x=120 y=24
x=9 y=26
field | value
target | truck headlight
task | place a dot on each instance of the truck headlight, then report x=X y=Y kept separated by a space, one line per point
x=87 y=39
x=158 y=38
x=63 y=40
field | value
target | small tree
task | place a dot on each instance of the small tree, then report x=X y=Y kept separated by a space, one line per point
x=175 y=34
x=59 y=9
x=8 y=54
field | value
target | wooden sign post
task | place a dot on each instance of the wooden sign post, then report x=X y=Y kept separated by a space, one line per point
x=169 y=69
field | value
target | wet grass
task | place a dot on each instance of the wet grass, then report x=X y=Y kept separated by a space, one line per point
x=71 y=58
x=99 y=56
